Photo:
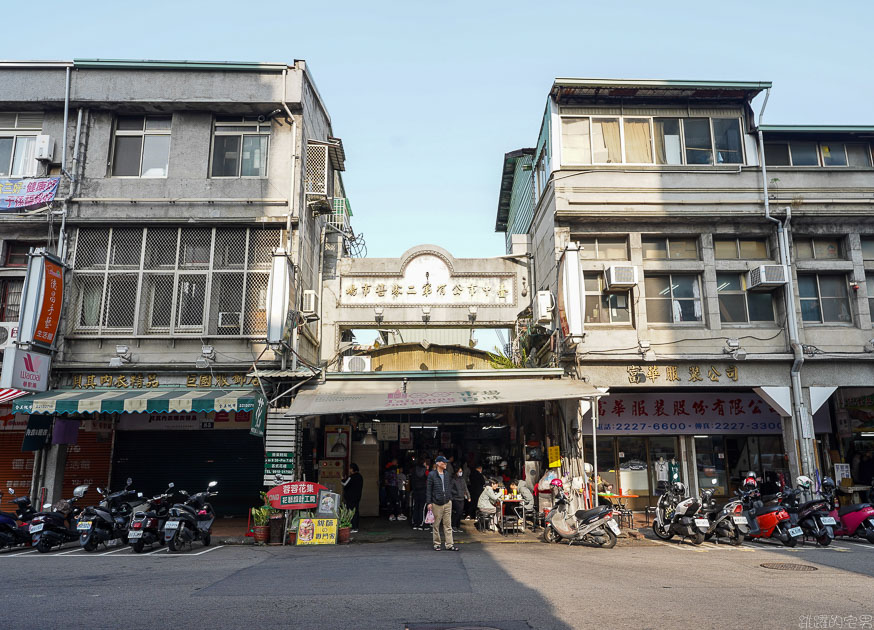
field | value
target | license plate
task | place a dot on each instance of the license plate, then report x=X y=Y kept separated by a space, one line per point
x=702 y=522
x=84 y=526
x=134 y=534
x=795 y=532
x=613 y=526
x=34 y=529
x=739 y=520
x=828 y=520
x=172 y=525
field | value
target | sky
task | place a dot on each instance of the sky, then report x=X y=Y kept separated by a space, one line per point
x=428 y=97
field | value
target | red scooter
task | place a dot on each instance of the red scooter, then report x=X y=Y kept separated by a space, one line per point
x=856 y=519
x=772 y=521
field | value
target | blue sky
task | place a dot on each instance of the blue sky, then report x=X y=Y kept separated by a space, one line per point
x=429 y=96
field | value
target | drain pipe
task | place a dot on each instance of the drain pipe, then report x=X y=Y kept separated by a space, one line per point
x=800 y=412
x=62 y=235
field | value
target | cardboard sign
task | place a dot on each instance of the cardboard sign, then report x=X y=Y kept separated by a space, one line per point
x=297 y=495
x=317 y=531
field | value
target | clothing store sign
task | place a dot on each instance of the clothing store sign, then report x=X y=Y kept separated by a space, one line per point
x=683 y=414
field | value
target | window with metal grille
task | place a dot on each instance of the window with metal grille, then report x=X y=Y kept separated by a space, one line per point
x=239 y=147
x=10 y=298
x=18 y=133
x=16 y=253
x=204 y=281
x=316 y=169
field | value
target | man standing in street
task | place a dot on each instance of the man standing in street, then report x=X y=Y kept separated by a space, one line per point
x=438 y=496
x=352 y=488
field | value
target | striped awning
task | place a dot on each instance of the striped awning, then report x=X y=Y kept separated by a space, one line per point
x=11 y=394
x=76 y=401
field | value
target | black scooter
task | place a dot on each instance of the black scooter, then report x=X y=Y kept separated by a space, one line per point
x=55 y=525
x=147 y=525
x=813 y=517
x=726 y=521
x=191 y=520
x=109 y=519
x=12 y=533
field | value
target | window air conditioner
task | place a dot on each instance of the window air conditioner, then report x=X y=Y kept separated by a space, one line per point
x=766 y=277
x=310 y=304
x=620 y=277
x=8 y=332
x=356 y=364
x=545 y=306
x=229 y=319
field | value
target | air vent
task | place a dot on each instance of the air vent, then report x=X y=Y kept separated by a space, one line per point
x=7 y=335
x=356 y=364
x=620 y=277
x=766 y=277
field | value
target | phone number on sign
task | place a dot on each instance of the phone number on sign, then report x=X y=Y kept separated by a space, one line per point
x=695 y=426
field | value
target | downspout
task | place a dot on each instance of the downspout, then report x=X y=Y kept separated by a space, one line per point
x=789 y=300
x=62 y=236
x=294 y=333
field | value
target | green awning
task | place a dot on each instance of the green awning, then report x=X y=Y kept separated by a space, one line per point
x=78 y=401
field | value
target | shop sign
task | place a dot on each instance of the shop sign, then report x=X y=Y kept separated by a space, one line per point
x=387 y=431
x=26 y=194
x=138 y=380
x=671 y=374
x=26 y=370
x=554 y=454
x=42 y=299
x=281 y=462
x=184 y=421
x=36 y=435
x=298 y=495
x=317 y=531
x=406 y=439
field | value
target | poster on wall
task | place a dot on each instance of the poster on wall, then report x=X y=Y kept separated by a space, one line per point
x=406 y=439
x=337 y=441
x=387 y=431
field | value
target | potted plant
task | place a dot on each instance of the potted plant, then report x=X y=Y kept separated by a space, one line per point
x=260 y=517
x=345 y=526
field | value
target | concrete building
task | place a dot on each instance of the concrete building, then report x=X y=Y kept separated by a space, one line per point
x=657 y=192
x=179 y=181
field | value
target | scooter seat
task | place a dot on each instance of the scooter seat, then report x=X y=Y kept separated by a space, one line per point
x=768 y=509
x=853 y=507
x=583 y=515
x=14 y=517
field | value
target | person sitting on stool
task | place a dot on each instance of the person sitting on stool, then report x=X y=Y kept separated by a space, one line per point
x=489 y=499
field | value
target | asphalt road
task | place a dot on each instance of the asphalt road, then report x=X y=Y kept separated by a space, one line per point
x=408 y=585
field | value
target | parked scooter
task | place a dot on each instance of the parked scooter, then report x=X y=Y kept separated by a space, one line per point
x=191 y=520
x=771 y=521
x=727 y=521
x=678 y=515
x=856 y=519
x=595 y=526
x=14 y=526
x=811 y=516
x=56 y=524
x=147 y=525
x=109 y=519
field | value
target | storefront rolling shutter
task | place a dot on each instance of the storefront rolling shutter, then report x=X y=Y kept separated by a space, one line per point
x=16 y=467
x=88 y=462
x=191 y=459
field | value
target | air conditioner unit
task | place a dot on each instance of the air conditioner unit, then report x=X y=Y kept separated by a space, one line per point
x=766 y=277
x=544 y=307
x=356 y=364
x=44 y=148
x=620 y=277
x=229 y=319
x=310 y=304
x=8 y=332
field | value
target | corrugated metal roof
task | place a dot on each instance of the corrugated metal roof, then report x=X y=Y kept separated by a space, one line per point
x=157 y=64
x=818 y=129
x=506 y=192
x=583 y=88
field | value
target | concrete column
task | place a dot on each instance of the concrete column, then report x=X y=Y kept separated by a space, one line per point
x=55 y=462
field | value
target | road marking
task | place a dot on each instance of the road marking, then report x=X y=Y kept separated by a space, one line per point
x=679 y=546
x=200 y=553
x=727 y=547
x=866 y=547
x=156 y=551
x=65 y=553
x=113 y=551
x=23 y=553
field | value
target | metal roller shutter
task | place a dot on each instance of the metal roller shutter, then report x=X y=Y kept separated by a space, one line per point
x=16 y=467
x=88 y=461
x=191 y=459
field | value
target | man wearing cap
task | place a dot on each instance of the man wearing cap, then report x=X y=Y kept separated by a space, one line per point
x=438 y=496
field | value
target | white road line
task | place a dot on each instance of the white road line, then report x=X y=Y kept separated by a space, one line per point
x=867 y=547
x=23 y=553
x=65 y=553
x=679 y=546
x=156 y=551
x=113 y=551
x=200 y=553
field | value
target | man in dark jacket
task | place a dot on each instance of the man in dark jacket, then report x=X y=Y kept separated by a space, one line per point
x=459 y=496
x=353 y=485
x=438 y=496
x=419 y=483
x=477 y=483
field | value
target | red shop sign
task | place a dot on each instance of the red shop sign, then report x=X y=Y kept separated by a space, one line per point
x=297 y=495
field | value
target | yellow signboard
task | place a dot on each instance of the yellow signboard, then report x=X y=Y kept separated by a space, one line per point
x=554 y=457
x=317 y=531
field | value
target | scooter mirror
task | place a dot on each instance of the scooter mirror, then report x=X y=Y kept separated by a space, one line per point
x=171 y=485
x=129 y=481
x=11 y=491
x=212 y=484
x=47 y=506
x=99 y=490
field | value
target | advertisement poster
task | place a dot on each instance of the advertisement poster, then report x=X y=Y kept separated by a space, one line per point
x=27 y=194
x=406 y=440
x=329 y=503
x=387 y=431
x=50 y=311
x=554 y=457
x=317 y=531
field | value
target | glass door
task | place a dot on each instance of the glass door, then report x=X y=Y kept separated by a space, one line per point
x=710 y=463
x=662 y=452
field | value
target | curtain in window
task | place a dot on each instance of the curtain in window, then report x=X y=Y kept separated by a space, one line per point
x=638 y=142
x=606 y=146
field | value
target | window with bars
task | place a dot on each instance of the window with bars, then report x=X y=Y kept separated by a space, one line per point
x=203 y=281
x=10 y=298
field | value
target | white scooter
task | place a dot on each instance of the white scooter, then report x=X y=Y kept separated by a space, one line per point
x=595 y=526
